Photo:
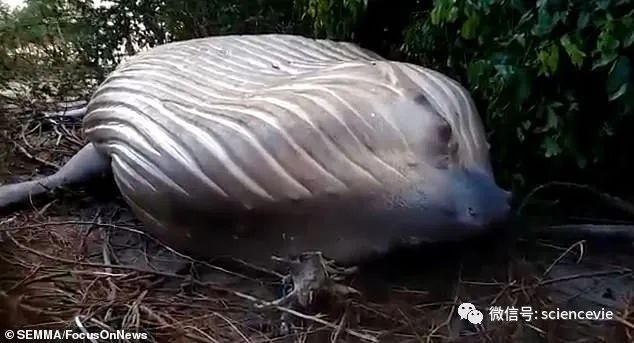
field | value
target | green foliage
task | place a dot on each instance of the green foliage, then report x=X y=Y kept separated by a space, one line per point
x=334 y=19
x=43 y=49
x=536 y=72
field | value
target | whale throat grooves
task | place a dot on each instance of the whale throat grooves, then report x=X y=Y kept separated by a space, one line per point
x=251 y=121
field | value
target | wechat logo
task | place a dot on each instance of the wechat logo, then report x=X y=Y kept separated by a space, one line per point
x=469 y=312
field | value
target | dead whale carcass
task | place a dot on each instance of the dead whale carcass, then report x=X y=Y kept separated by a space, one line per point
x=257 y=145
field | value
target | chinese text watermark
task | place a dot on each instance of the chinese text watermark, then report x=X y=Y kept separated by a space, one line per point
x=469 y=312
x=527 y=313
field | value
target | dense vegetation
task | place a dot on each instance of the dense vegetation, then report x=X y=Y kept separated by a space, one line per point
x=553 y=79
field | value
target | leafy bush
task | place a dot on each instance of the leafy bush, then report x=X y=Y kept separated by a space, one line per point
x=334 y=19
x=45 y=52
x=553 y=79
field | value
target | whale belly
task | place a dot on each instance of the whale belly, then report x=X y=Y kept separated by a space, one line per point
x=264 y=144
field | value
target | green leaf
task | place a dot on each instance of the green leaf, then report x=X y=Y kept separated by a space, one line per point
x=444 y=11
x=607 y=47
x=618 y=92
x=436 y=15
x=576 y=56
x=522 y=83
x=556 y=104
x=476 y=71
x=453 y=14
x=545 y=22
x=606 y=130
x=603 y=4
x=551 y=147
x=552 y=119
x=618 y=78
x=584 y=20
x=604 y=61
x=629 y=39
x=486 y=4
x=555 y=5
x=504 y=72
x=518 y=5
x=469 y=27
x=607 y=43
x=549 y=60
x=520 y=134
x=628 y=101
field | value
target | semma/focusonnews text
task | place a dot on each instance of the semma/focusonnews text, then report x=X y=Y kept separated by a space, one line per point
x=43 y=334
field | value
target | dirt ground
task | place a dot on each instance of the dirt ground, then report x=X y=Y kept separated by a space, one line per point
x=79 y=260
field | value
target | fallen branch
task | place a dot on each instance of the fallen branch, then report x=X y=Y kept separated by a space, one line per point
x=35 y=158
x=584 y=276
x=593 y=230
x=614 y=201
x=624 y=321
x=67 y=113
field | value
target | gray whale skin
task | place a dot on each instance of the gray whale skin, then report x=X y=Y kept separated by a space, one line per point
x=249 y=146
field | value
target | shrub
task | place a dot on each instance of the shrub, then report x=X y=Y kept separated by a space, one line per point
x=552 y=79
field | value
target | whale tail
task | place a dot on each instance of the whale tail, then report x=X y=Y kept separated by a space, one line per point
x=86 y=165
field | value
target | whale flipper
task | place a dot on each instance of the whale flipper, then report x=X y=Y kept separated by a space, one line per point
x=86 y=165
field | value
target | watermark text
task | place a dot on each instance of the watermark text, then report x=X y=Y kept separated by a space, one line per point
x=44 y=334
x=527 y=313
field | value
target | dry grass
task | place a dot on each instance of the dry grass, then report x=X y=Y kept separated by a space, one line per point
x=83 y=263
